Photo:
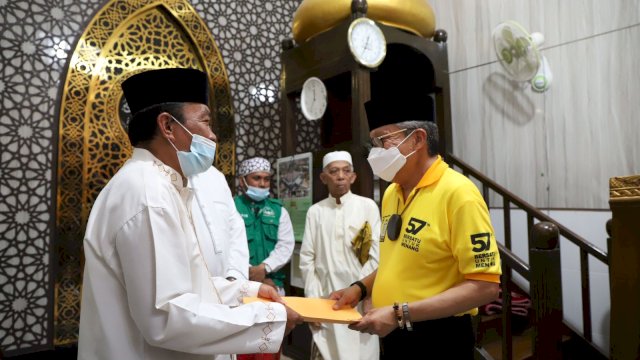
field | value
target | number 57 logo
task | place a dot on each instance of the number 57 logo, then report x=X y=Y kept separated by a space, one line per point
x=481 y=242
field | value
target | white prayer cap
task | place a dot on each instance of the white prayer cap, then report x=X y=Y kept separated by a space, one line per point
x=336 y=156
x=254 y=164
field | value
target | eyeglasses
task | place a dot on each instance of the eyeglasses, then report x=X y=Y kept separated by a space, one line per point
x=378 y=142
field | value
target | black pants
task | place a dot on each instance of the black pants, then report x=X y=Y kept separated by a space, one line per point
x=448 y=338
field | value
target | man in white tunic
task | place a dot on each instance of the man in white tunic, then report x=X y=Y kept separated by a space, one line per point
x=219 y=226
x=340 y=245
x=147 y=292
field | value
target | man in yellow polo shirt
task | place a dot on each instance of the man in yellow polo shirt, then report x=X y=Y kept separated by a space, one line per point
x=439 y=259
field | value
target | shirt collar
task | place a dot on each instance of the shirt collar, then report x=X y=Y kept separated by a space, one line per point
x=167 y=171
x=343 y=199
x=434 y=173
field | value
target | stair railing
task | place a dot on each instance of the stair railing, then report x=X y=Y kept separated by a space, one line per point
x=511 y=262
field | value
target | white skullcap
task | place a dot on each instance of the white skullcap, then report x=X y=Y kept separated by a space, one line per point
x=252 y=165
x=336 y=156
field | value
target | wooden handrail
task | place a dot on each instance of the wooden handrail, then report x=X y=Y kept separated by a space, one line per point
x=578 y=240
x=510 y=261
x=513 y=261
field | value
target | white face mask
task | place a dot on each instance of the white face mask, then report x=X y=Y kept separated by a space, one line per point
x=386 y=163
x=201 y=156
x=256 y=193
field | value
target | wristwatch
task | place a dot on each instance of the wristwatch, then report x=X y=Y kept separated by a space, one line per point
x=267 y=269
x=406 y=317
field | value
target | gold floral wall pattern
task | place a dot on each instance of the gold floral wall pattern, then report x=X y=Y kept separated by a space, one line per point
x=125 y=37
x=42 y=174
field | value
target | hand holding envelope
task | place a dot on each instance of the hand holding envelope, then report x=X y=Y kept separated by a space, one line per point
x=269 y=293
x=316 y=310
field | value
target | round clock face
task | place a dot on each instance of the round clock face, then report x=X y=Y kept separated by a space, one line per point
x=367 y=42
x=313 y=99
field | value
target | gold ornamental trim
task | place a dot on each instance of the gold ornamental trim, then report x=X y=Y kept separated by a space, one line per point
x=624 y=188
x=316 y=16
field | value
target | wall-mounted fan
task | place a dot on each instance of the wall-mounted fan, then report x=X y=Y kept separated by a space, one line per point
x=517 y=51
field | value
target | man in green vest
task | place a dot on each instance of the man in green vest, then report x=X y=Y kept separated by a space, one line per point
x=269 y=229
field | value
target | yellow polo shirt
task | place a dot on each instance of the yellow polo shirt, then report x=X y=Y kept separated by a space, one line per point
x=445 y=238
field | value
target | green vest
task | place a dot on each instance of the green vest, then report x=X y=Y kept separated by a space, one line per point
x=261 y=220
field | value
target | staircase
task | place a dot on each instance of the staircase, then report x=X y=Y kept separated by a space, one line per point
x=545 y=334
x=490 y=337
x=490 y=342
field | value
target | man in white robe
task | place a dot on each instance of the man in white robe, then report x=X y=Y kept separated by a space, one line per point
x=147 y=292
x=219 y=226
x=330 y=259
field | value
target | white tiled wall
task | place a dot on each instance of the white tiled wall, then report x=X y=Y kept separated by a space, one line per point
x=557 y=149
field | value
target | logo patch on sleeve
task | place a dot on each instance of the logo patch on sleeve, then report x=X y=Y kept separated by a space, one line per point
x=481 y=242
x=484 y=258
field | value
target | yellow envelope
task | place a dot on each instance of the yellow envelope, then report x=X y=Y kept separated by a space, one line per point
x=316 y=310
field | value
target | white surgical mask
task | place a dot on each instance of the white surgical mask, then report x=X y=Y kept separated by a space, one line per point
x=386 y=163
x=256 y=193
x=201 y=156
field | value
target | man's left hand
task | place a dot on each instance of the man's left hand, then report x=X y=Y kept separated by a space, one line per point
x=257 y=273
x=270 y=292
x=378 y=321
x=270 y=282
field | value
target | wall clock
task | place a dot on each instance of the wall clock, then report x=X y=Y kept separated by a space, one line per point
x=313 y=99
x=366 y=42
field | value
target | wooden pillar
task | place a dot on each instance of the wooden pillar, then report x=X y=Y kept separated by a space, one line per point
x=546 y=291
x=287 y=116
x=624 y=267
x=360 y=93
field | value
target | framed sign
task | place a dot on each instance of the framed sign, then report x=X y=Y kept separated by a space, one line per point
x=294 y=186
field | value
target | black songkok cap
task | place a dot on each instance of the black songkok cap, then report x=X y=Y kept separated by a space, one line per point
x=395 y=109
x=155 y=87
x=401 y=88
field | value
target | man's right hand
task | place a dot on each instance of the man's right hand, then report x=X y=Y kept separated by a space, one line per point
x=346 y=297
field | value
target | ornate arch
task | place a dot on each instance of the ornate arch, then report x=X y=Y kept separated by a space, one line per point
x=124 y=37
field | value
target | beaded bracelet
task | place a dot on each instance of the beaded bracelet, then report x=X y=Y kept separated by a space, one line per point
x=396 y=310
x=405 y=316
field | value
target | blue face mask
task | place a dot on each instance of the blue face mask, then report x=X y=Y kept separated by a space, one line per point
x=255 y=193
x=201 y=156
